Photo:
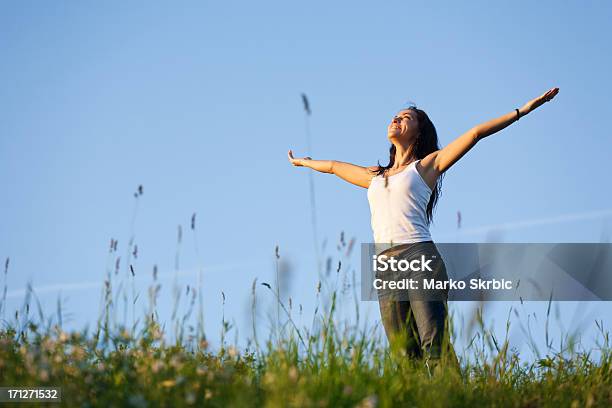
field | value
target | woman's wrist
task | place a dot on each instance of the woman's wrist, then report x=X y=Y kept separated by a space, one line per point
x=323 y=166
x=307 y=163
x=523 y=111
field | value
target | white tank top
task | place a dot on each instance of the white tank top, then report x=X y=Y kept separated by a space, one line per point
x=399 y=209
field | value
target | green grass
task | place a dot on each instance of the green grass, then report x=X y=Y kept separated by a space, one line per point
x=331 y=365
x=335 y=362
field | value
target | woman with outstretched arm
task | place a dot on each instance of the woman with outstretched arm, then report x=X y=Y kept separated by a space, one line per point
x=402 y=196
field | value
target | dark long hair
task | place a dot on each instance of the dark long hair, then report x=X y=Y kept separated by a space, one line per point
x=426 y=143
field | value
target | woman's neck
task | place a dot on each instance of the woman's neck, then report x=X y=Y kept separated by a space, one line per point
x=403 y=156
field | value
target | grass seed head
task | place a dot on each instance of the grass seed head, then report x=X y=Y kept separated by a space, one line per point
x=306 y=104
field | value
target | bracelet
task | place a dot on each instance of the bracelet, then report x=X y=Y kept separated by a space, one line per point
x=518 y=115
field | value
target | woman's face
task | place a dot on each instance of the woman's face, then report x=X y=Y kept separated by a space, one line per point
x=404 y=126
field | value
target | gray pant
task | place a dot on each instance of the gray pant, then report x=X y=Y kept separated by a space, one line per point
x=416 y=318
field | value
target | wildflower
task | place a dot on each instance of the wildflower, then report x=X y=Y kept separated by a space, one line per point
x=176 y=363
x=156 y=366
x=190 y=398
x=208 y=394
x=156 y=333
x=269 y=378
x=232 y=351
x=78 y=353
x=168 y=383
x=47 y=344
x=369 y=402
x=293 y=374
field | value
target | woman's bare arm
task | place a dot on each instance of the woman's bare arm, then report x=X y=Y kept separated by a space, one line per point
x=438 y=162
x=357 y=175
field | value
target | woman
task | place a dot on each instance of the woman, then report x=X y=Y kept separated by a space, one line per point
x=402 y=196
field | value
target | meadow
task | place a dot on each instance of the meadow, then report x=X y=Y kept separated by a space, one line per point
x=332 y=363
x=337 y=360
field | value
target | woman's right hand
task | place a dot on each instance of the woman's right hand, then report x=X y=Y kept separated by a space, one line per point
x=360 y=176
x=298 y=162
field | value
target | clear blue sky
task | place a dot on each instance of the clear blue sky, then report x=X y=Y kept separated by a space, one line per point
x=200 y=104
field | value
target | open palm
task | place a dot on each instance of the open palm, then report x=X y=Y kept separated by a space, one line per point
x=296 y=161
x=540 y=100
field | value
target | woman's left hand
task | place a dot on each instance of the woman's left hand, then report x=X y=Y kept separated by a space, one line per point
x=539 y=101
